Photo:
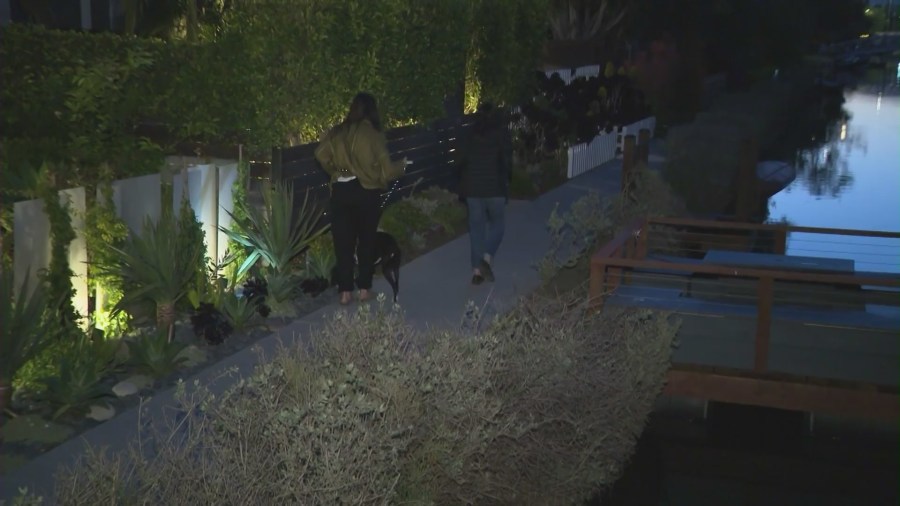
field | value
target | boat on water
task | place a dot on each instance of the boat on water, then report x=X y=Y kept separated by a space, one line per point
x=774 y=176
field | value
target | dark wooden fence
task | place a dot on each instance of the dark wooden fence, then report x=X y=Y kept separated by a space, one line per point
x=432 y=150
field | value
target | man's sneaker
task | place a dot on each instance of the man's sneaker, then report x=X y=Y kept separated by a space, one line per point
x=486 y=271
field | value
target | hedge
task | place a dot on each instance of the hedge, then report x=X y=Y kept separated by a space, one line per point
x=274 y=73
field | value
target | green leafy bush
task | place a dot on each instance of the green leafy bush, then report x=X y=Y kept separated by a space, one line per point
x=103 y=227
x=521 y=186
x=447 y=211
x=542 y=407
x=25 y=329
x=59 y=274
x=319 y=259
x=402 y=219
x=191 y=232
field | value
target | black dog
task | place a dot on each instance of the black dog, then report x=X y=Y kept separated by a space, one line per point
x=387 y=255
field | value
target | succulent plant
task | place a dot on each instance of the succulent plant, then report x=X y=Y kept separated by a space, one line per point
x=256 y=290
x=314 y=286
x=210 y=324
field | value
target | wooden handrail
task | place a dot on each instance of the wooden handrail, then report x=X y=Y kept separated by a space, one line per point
x=692 y=222
x=616 y=244
x=743 y=272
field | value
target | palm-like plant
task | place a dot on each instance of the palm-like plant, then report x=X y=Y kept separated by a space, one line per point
x=159 y=265
x=24 y=329
x=275 y=234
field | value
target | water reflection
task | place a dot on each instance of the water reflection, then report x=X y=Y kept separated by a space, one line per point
x=824 y=170
x=846 y=157
x=848 y=174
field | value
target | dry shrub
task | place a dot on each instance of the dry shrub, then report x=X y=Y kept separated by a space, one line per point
x=543 y=407
x=593 y=220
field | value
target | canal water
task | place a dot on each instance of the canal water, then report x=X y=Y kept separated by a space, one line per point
x=848 y=176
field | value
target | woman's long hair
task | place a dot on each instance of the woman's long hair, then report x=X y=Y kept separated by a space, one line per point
x=364 y=107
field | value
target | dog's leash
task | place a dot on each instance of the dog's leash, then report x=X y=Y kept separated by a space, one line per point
x=387 y=196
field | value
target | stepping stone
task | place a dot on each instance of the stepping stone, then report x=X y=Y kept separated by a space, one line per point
x=132 y=385
x=101 y=413
x=124 y=389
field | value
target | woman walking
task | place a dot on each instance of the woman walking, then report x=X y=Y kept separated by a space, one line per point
x=486 y=164
x=355 y=155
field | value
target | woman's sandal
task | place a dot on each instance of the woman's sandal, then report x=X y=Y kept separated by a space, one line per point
x=364 y=295
x=346 y=298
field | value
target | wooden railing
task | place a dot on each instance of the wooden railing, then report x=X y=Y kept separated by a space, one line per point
x=628 y=254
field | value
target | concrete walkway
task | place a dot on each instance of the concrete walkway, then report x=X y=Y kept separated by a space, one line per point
x=434 y=291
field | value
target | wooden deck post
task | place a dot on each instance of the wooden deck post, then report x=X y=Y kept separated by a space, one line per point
x=765 y=294
x=641 y=253
x=628 y=156
x=644 y=145
x=747 y=185
x=779 y=245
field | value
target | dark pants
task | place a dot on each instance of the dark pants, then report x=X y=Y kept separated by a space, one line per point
x=486 y=227
x=354 y=223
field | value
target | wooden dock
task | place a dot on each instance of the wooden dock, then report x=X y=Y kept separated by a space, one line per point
x=759 y=326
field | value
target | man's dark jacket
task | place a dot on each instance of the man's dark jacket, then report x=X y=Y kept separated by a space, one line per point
x=485 y=161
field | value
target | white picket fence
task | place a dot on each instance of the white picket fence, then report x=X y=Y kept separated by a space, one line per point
x=207 y=184
x=649 y=123
x=569 y=75
x=587 y=156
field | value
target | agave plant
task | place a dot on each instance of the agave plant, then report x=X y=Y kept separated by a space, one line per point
x=78 y=381
x=159 y=265
x=24 y=329
x=156 y=354
x=275 y=234
x=239 y=311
